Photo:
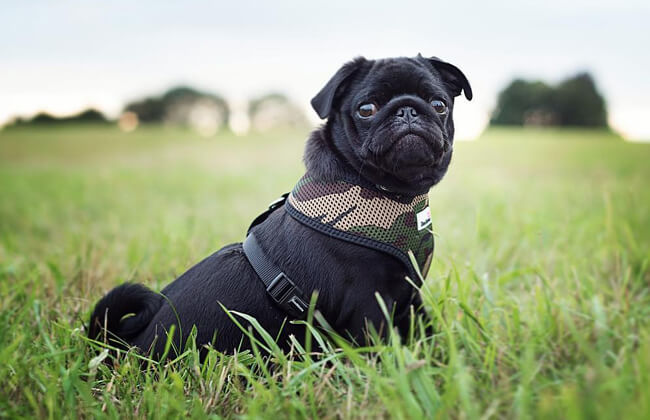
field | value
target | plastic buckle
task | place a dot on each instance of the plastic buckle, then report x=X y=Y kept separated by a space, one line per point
x=272 y=207
x=278 y=202
x=287 y=295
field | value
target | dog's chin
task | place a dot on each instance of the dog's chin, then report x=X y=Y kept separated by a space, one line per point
x=410 y=163
x=411 y=150
x=410 y=156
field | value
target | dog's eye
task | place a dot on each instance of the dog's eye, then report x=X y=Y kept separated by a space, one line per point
x=367 y=110
x=439 y=106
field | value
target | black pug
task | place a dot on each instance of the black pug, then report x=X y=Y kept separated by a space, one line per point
x=389 y=128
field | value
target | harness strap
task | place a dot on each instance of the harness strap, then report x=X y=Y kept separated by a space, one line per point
x=282 y=290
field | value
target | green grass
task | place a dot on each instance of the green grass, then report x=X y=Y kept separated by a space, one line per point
x=540 y=287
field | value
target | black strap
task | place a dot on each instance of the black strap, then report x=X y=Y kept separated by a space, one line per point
x=280 y=288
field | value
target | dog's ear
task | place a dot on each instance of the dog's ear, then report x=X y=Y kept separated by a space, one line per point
x=452 y=75
x=322 y=102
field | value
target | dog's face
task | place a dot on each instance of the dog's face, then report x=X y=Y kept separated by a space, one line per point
x=391 y=119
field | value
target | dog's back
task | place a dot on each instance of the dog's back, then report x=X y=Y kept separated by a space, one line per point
x=131 y=315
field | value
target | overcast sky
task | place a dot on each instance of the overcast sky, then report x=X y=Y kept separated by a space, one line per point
x=66 y=55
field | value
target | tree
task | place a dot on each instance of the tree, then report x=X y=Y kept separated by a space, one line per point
x=88 y=116
x=43 y=118
x=523 y=100
x=574 y=102
x=147 y=109
x=183 y=106
x=578 y=102
x=274 y=110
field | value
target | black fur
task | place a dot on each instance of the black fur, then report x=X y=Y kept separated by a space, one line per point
x=405 y=156
x=128 y=299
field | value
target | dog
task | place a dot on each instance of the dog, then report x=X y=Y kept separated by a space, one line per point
x=388 y=139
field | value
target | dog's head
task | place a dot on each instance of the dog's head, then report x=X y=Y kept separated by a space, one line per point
x=391 y=119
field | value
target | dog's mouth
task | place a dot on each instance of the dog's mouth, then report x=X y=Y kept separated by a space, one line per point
x=411 y=150
x=412 y=145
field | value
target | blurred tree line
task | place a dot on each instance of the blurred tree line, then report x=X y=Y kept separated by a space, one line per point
x=573 y=102
x=90 y=115
x=202 y=111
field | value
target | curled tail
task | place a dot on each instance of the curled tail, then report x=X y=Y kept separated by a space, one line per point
x=123 y=313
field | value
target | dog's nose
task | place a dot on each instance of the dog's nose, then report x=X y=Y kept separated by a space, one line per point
x=407 y=113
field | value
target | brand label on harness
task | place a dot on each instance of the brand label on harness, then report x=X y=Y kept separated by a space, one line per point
x=424 y=218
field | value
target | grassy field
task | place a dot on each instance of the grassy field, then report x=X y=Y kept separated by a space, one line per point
x=540 y=287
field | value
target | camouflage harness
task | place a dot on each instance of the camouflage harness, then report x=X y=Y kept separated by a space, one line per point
x=359 y=214
x=367 y=217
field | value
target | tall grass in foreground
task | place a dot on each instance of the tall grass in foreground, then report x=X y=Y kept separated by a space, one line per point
x=539 y=292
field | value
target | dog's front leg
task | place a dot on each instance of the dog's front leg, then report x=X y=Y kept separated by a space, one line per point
x=413 y=315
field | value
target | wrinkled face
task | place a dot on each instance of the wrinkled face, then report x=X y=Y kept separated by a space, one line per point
x=392 y=120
